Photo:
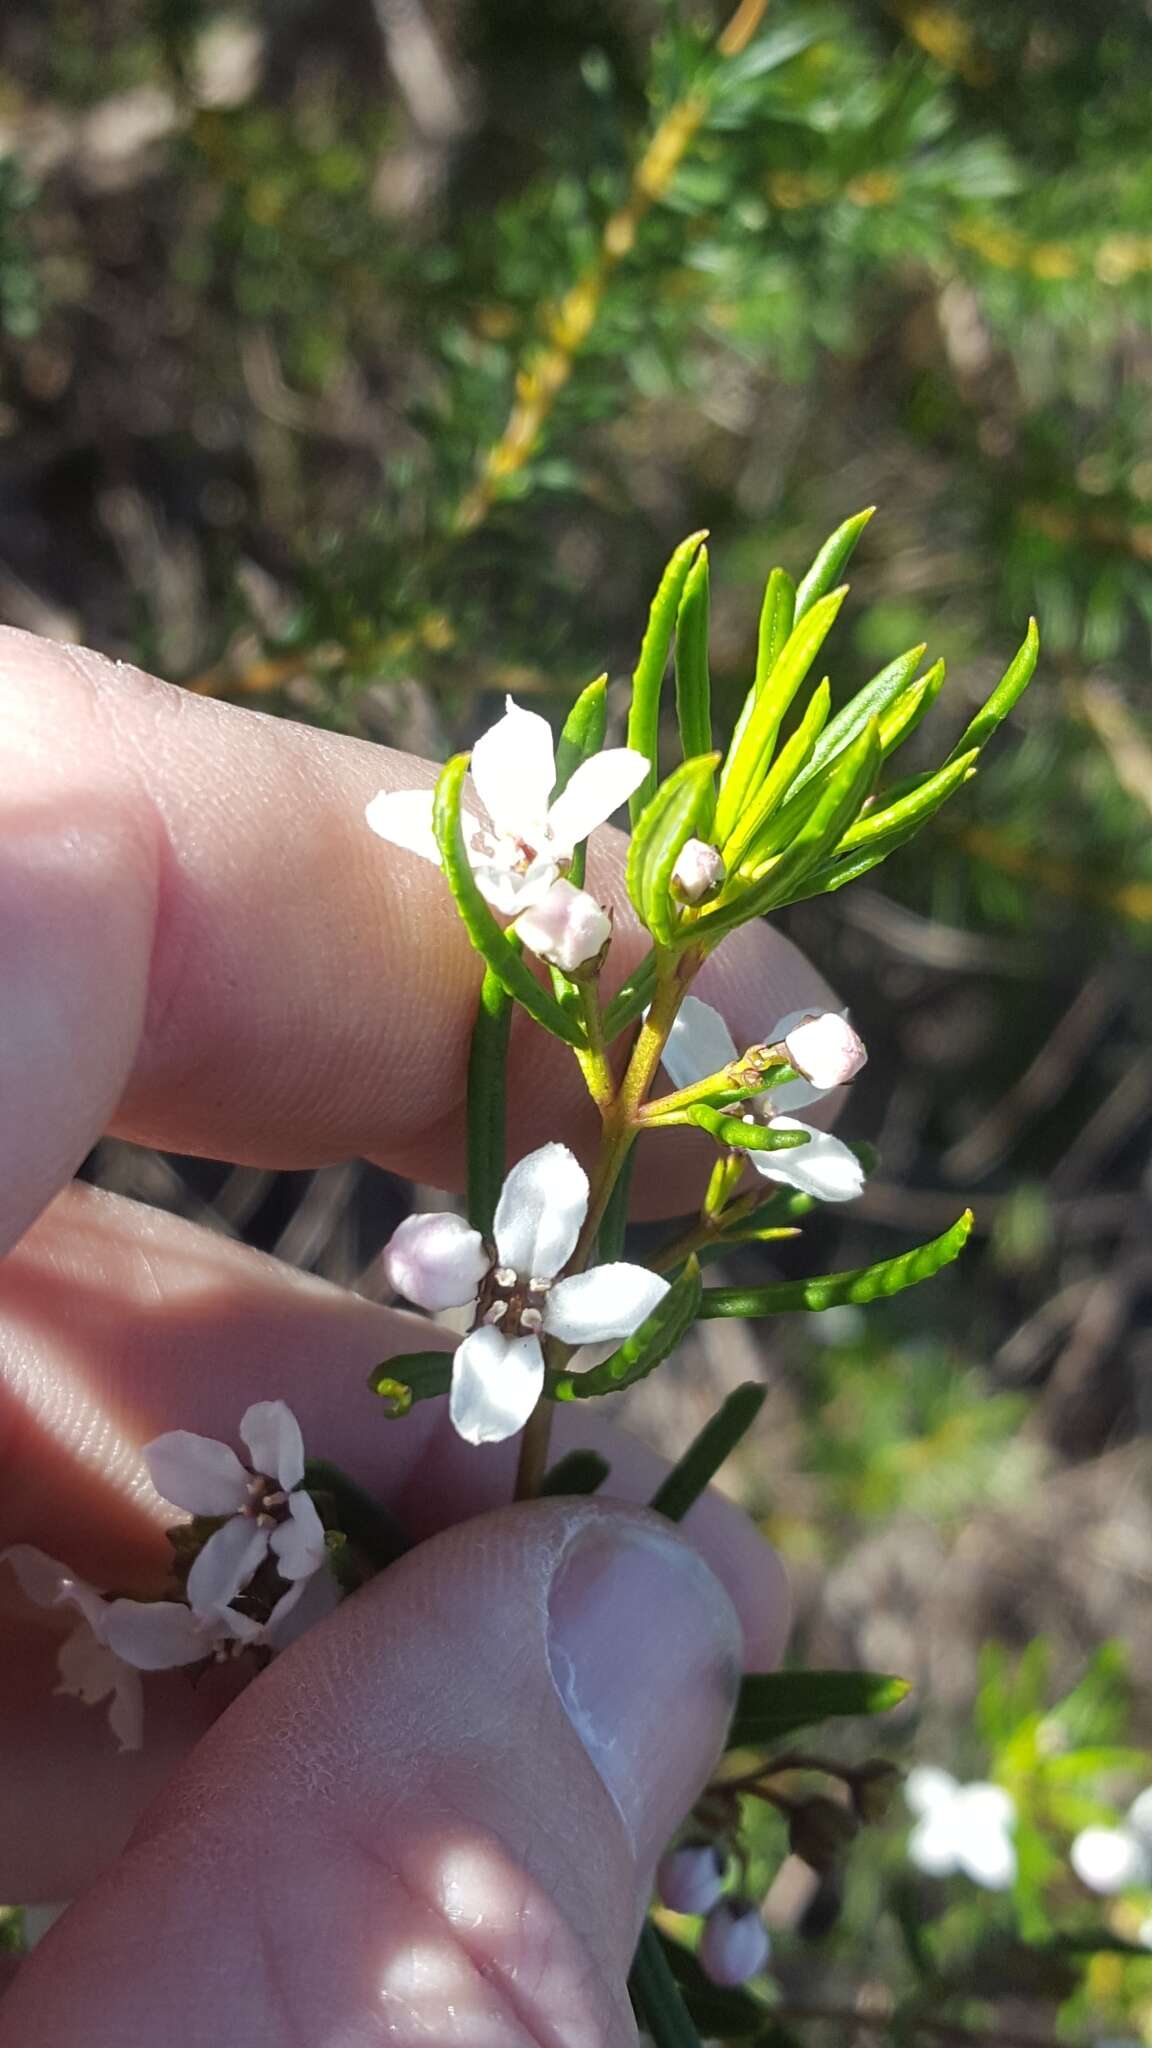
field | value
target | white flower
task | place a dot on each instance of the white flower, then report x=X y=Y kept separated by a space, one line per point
x=700 y=1043
x=89 y=1670
x=1110 y=1860
x=961 y=1827
x=266 y=1509
x=698 y=871
x=531 y=839
x=567 y=927
x=498 y=1370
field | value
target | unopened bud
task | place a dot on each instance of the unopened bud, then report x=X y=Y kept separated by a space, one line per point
x=567 y=928
x=825 y=1050
x=698 y=872
x=734 y=1945
x=874 y=1786
x=690 y=1879
x=819 y=1832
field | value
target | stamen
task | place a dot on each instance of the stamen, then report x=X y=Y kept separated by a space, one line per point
x=497 y=1312
x=505 y=1276
x=532 y=1321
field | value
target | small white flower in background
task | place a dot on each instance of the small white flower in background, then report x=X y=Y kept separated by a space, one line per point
x=964 y=1828
x=698 y=871
x=734 y=1944
x=690 y=1879
x=1111 y=1860
x=700 y=1043
x=567 y=928
x=531 y=839
x=267 y=1512
x=439 y=1262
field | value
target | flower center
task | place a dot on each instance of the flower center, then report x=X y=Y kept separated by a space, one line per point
x=509 y=1303
x=267 y=1501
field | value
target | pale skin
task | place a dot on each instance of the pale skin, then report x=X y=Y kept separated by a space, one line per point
x=205 y=949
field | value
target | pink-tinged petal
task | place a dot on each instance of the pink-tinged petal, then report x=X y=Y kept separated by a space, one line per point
x=690 y=1879
x=699 y=1043
x=155 y=1635
x=126 y=1707
x=436 y=1261
x=275 y=1445
x=789 y=1096
x=607 y=1301
x=197 y=1473
x=734 y=1944
x=542 y=1204
x=226 y=1564
x=825 y=1049
x=41 y=1578
x=699 y=870
x=496 y=1383
x=88 y=1669
x=823 y=1167
x=513 y=771
x=305 y=1603
x=298 y=1544
x=598 y=788
x=567 y=928
x=404 y=818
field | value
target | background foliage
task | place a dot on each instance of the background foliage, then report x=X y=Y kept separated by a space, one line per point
x=363 y=363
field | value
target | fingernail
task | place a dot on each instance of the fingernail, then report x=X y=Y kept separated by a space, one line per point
x=645 y=1651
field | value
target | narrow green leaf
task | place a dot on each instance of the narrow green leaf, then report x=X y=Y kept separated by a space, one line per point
x=576 y=1472
x=720 y=2014
x=496 y=948
x=775 y=625
x=1011 y=686
x=872 y=701
x=630 y=1000
x=693 y=685
x=640 y=1353
x=913 y=810
x=832 y=1290
x=648 y=679
x=777 y=784
x=775 y=1704
x=614 y=1222
x=413 y=1376
x=749 y=758
x=581 y=737
x=849 y=782
x=744 y=1137
x=674 y=816
x=487 y=1087
x=831 y=562
x=693 y=1474
x=358 y=1515
x=660 y=2009
x=901 y=720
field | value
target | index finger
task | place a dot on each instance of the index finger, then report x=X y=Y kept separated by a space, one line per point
x=205 y=948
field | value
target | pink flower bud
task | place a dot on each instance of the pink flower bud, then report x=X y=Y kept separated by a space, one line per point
x=825 y=1050
x=435 y=1261
x=698 y=871
x=690 y=1879
x=734 y=1945
x=567 y=928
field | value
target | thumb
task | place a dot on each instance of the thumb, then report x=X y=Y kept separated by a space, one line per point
x=435 y=1820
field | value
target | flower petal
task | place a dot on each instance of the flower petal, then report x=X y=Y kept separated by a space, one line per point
x=226 y=1563
x=496 y=1383
x=598 y=787
x=930 y=1846
x=272 y=1436
x=155 y=1635
x=41 y=1578
x=699 y=1043
x=566 y=928
x=513 y=772
x=927 y=1788
x=88 y=1669
x=542 y=1204
x=305 y=1603
x=404 y=818
x=126 y=1707
x=298 y=1544
x=1109 y=1860
x=509 y=889
x=436 y=1261
x=823 y=1167
x=608 y=1301
x=196 y=1472
x=825 y=1049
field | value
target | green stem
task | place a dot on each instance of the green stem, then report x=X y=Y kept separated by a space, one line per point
x=594 y=1062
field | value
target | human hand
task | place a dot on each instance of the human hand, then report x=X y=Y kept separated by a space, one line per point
x=399 y=1830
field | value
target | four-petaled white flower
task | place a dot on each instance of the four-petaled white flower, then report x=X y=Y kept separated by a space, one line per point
x=439 y=1262
x=700 y=1043
x=266 y=1507
x=964 y=1828
x=530 y=839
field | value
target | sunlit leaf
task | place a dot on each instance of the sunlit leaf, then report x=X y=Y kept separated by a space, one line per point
x=833 y=1290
